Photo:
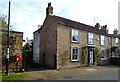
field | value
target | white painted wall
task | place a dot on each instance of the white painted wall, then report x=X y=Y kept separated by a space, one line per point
x=36 y=47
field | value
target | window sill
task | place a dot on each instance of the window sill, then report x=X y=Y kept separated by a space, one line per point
x=90 y=44
x=74 y=60
x=77 y=42
x=102 y=45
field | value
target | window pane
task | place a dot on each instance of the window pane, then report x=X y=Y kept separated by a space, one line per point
x=75 y=38
x=90 y=41
x=90 y=35
x=75 y=53
x=90 y=38
x=102 y=40
x=75 y=34
x=116 y=41
x=75 y=57
x=102 y=37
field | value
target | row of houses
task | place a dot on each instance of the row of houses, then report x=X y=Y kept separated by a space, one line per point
x=64 y=43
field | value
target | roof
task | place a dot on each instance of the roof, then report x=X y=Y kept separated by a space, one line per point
x=37 y=31
x=78 y=25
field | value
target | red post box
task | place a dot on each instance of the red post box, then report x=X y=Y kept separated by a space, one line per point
x=18 y=57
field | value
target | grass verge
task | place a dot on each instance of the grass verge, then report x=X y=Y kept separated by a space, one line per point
x=15 y=77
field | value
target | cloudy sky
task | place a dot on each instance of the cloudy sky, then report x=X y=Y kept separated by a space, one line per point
x=26 y=15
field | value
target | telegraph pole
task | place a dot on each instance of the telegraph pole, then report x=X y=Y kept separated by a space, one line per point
x=8 y=42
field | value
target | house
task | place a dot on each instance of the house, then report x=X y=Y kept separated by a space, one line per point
x=36 y=47
x=16 y=40
x=115 y=48
x=64 y=43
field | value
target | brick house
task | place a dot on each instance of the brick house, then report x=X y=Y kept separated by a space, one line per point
x=64 y=43
x=16 y=41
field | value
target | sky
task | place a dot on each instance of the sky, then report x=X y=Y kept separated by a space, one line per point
x=26 y=15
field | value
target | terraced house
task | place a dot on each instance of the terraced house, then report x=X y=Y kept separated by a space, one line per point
x=65 y=43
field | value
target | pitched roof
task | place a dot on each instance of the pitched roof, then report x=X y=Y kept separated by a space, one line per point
x=78 y=25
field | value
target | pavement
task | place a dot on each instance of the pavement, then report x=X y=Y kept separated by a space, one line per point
x=82 y=73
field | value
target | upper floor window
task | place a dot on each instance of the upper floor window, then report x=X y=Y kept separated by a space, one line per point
x=74 y=54
x=102 y=40
x=90 y=38
x=116 y=41
x=75 y=35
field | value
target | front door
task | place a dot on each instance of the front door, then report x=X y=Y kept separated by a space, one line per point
x=91 y=55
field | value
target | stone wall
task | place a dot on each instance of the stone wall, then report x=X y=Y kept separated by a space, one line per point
x=55 y=48
x=64 y=45
x=48 y=43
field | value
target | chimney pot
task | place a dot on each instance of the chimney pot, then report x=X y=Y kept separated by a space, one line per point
x=105 y=26
x=49 y=4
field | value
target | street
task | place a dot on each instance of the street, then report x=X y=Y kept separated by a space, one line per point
x=83 y=73
x=98 y=76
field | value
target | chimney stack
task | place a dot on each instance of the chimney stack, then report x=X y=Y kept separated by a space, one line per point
x=115 y=32
x=49 y=10
x=103 y=28
x=97 y=25
x=107 y=30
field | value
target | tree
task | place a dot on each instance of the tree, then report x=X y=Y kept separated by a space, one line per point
x=27 y=53
x=3 y=23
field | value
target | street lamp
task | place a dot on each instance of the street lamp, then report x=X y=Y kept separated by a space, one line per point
x=8 y=42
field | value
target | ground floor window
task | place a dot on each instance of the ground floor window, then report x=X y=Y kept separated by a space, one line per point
x=103 y=55
x=75 y=54
x=116 y=52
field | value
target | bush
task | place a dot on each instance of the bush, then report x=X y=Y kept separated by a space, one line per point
x=115 y=61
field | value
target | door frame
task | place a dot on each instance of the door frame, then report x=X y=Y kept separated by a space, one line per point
x=91 y=48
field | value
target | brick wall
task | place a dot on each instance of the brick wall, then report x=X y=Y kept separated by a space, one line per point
x=15 y=48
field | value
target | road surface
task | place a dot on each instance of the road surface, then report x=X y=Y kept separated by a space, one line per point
x=98 y=76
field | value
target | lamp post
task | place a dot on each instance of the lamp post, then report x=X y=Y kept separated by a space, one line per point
x=8 y=42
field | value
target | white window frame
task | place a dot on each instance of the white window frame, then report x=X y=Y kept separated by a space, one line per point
x=77 y=36
x=78 y=55
x=116 y=41
x=105 y=55
x=89 y=37
x=102 y=39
